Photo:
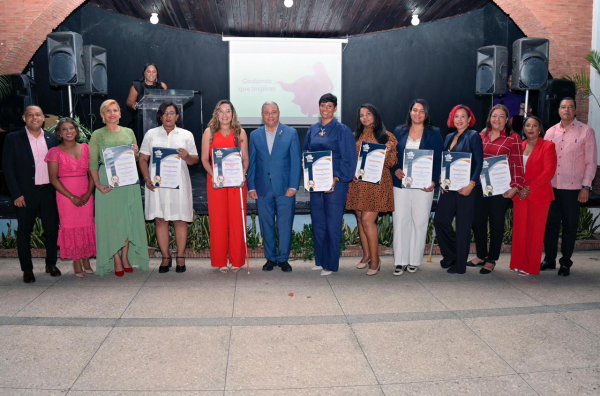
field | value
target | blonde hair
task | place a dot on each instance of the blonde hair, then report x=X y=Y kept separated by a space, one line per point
x=105 y=104
x=215 y=125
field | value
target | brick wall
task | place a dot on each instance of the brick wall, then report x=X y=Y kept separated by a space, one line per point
x=30 y=22
x=568 y=26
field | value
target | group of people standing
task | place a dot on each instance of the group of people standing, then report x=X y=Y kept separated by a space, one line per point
x=550 y=177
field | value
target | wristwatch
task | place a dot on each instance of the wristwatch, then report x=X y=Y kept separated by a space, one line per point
x=587 y=188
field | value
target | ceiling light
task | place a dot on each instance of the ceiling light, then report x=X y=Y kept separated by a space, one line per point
x=288 y=3
x=415 y=20
x=154 y=18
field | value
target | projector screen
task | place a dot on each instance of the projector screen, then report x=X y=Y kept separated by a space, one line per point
x=294 y=73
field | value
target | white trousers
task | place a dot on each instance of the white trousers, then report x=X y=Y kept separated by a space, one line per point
x=411 y=217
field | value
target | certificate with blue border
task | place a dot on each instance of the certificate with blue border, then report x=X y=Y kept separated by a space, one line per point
x=228 y=170
x=165 y=168
x=119 y=162
x=371 y=160
x=418 y=168
x=456 y=170
x=318 y=171
x=495 y=176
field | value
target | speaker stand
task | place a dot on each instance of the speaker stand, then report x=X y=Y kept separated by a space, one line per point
x=525 y=111
x=70 y=101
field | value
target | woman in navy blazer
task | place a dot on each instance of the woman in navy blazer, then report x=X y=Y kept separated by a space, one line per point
x=412 y=207
x=454 y=245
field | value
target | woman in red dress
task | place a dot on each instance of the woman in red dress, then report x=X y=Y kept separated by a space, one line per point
x=224 y=204
x=532 y=204
x=68 y=166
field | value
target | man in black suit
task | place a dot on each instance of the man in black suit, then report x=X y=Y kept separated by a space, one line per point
x=26 y=174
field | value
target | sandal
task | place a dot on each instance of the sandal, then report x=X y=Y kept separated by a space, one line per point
x=412 y=268
x=235 y=269
x=224 y=270
x=399 y=270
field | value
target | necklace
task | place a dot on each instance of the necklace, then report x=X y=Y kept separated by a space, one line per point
x=322 y=133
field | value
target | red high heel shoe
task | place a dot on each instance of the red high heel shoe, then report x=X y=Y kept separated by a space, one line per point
x=128 y=270
x=119 y=273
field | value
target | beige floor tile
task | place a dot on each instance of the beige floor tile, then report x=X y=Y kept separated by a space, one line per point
x=274 y=301
x=137 y=278
x=46 y=357
x=589 y=320
x=301 y=275
x=480 y=295
x=283 y=357
x=426 y=351
x=538 y=342
x=81 y=302
x=386 y=298
x=199 y=273
x=145 y=393
x=496 y=386
x=560 y=290
x=11 y=274
x=181 y=302
x=14 y=298
x=580 y=382
x=168 y=358
x=336 y=391
x=32 y=392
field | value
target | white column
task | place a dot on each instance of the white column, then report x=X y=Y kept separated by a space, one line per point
x=594 y=111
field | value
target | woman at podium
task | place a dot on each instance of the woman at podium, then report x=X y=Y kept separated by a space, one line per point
x=150 y=80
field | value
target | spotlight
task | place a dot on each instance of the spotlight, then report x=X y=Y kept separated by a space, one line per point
x=154 y=18
x=415 y=20
x=288 y=3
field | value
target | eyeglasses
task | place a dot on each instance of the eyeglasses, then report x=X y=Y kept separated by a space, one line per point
x=170 y=114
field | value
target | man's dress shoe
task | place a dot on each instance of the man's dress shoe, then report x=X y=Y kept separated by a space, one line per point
x=546 y=266
x=28 y=277
x=269 y=265
x=53 y=271
x=285 y=267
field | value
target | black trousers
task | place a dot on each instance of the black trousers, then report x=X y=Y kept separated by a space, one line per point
x=42 y=204
x=492 y=209
x=565 y=209
x=455 y=244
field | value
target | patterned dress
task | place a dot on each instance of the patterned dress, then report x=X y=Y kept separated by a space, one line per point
x=370 y=197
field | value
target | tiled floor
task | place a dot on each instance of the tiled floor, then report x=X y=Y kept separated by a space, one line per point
x=277 y=334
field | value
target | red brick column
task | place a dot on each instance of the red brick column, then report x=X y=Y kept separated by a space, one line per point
x=568 y=26
x=25 y=31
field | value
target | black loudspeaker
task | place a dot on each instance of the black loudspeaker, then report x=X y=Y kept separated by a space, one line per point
x=530 y=64
x=549 y=100
x=492 y=70
x=94 y=64
x=13 y=105
x=65 y=58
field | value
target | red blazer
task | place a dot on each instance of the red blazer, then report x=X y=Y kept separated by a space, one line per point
x=539 y=171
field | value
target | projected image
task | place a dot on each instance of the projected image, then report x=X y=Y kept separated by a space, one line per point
x=306 y=89
x=293 y=74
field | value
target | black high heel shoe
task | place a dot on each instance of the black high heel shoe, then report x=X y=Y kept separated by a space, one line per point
x=485 y=271
x=180 y=268
x=165 y=268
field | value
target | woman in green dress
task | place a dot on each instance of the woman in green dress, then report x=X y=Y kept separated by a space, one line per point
x=120 y=230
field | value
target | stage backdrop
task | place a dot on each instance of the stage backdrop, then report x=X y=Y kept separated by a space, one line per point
x=435 y=61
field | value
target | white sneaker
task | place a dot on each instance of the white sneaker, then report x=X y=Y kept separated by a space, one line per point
x=317 y=268
x=325 y=272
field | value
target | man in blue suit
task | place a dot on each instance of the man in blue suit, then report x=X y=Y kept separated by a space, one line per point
x=273 y=178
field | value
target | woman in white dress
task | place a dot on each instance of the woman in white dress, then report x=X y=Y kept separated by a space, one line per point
x=169 y=204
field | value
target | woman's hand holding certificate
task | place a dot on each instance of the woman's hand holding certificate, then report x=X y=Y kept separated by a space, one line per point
x=121 y=169
x=495 y=176
x=456 y=170
x=418 y=165
x=165 y=169
x=228 y=170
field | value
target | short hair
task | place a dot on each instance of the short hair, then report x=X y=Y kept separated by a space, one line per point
x=568 y=98
x=162 y=109
x=539 y=121
x=507 y=126
x=27 y=108
x=327 y=98
x=63 y=121
x=105 y=104
x=450 y=122
x=422 y=102
x=267 y=103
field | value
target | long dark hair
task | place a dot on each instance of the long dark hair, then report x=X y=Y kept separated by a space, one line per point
x=378 y=127
x=507 y=127
x=162 y=109
x=143 y=79
x=422 y=102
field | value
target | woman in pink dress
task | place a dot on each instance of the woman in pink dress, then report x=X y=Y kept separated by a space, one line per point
x=68 y=166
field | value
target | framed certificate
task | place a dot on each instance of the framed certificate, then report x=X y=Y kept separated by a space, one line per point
x=418 y=168
x=456 y=170
x=228 y=170
x=119 y=162
x=495 y=176
x=318 y=171
x=370 y=162
x=165 y=168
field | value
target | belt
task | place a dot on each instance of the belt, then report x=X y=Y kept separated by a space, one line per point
x=43 y=185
